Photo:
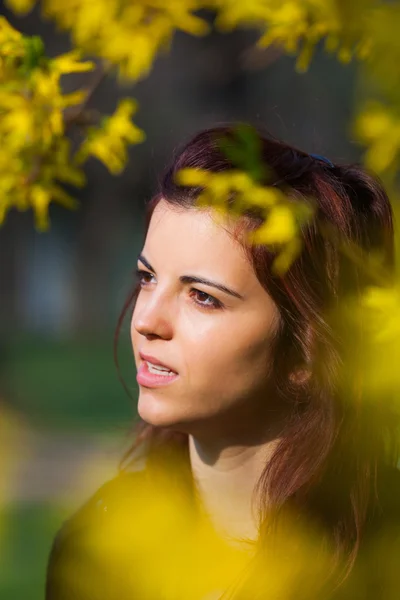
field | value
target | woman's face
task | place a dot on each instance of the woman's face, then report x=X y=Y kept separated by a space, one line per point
x=218 y=342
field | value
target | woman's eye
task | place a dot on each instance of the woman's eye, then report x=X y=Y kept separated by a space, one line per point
x=203 y=299
x=141 y=275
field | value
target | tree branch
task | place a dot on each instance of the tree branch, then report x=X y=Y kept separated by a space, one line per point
x=77 y=115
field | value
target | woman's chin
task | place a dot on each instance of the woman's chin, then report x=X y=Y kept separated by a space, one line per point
x=159 y=415
x=155 y=412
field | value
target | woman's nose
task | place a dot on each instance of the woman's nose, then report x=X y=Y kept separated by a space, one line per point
x=152 y=317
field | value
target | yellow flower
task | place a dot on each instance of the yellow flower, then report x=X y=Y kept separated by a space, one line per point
x=32 y=126
x=31 y=180
x=21 y=7
x=12 y=49
x=17 y=124
x=279 y=228
x=374 y=320
x=298 y=25
x=108 y=142
x=378 y=127
x=40 y=199
x=70 y=63
x=383 y=306
x=106 y=28
x=283 y=219
x=193 y=177
x=8 y=34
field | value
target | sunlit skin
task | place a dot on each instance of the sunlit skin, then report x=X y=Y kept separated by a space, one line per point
x=219 y=344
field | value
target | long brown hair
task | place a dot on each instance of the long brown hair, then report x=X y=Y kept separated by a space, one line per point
x=327 y=461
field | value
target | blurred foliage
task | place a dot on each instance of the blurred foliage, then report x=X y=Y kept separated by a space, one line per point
x=71 y=383
x=25 y=546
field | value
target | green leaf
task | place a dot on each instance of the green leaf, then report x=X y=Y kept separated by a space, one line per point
x=245 y=151
x=34 y=54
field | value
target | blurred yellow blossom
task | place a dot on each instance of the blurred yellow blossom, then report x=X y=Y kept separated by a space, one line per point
x=34 y=152
x=11 y=40
x=279 y=228
x=21 y=188
x=106 y=27
x=380 y=65
x=21 y=7
x=378 y=126
x=125 y=33
x=159 y=523
x=219 y=186
x=283 y=218
x=383 y=306
x=69 y=63
x=370 y=324
x=12 y=49
x=298 y=25
x=108 y=142
x=35 y=155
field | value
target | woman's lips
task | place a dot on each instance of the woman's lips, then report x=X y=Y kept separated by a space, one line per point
x=147 y=379
x=155 y=361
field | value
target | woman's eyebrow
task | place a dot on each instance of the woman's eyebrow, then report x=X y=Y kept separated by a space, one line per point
x=194 y=279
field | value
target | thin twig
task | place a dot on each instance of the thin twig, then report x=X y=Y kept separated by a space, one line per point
x=75 y=114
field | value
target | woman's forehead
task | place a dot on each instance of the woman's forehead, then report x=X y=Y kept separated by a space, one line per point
x=197 y=236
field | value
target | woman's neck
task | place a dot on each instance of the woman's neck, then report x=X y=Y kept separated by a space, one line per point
x=225 y=481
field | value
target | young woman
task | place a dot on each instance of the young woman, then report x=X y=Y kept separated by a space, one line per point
x=246 y=425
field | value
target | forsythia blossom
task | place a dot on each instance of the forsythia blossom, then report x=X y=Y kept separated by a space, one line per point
x=379 y=127
x=298 y=25
x=33 y=150
x=126 y=33
x=384 y=307
x=283 y=219
x=108 y=142
x=374 y=318
x=107 y=27
x=35 y=154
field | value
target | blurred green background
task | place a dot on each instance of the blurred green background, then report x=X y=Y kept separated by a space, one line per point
x=67 y=417
x=69 y=424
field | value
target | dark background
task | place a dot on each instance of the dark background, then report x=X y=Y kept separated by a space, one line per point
x=67 y=415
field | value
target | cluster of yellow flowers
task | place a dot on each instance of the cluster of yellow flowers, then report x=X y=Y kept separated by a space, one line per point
x=381 y=320
x=283 y=219
x=375 y=316
x=298 y=25
x=35 y=154
x=108 y=27
x=129 y=34
x=378 y=126
x=108 y=142
x=34 y=151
